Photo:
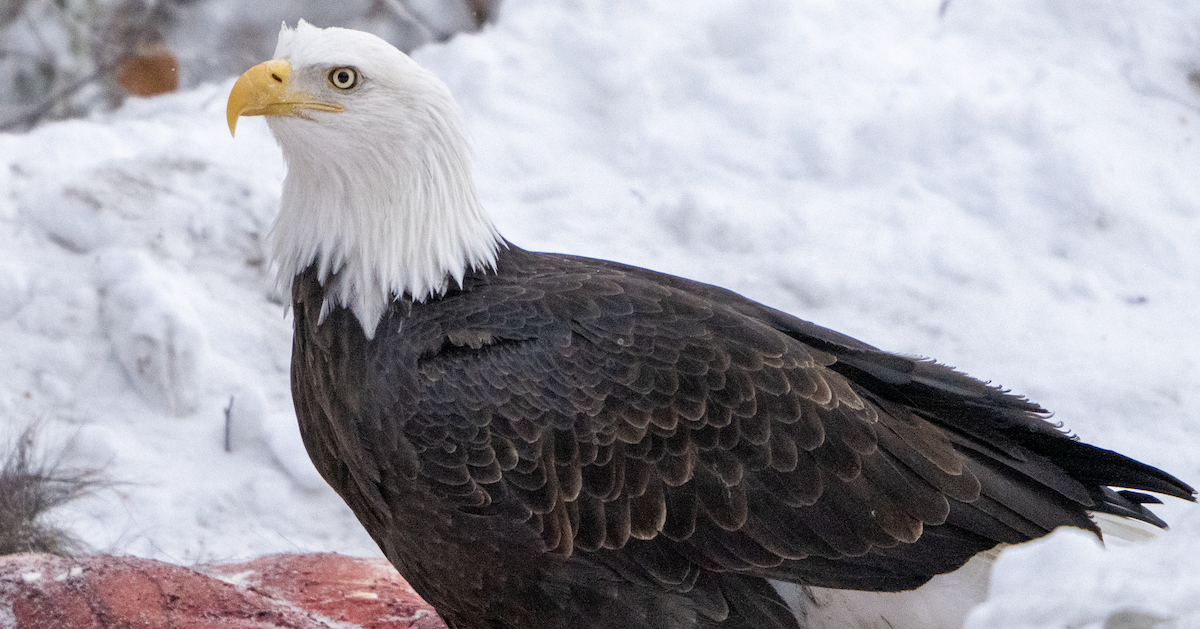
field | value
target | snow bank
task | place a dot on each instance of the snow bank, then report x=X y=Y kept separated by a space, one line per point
x=1069 y=579
x=142 y=308
x=1011 y=188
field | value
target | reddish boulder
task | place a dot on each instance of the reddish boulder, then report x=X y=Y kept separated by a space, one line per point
x=320 y=591
x=366 y=593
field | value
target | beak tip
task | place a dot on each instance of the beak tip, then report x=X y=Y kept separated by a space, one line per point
x=241 y=97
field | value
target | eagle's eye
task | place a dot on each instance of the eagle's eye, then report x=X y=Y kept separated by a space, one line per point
x=344 y=78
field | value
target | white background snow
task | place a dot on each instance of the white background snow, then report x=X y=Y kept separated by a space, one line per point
x=1012 y=188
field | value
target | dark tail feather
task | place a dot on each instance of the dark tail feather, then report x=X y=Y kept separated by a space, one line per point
x=1100 y=470
x=1128 y=504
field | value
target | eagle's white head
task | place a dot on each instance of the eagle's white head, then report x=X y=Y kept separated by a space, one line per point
x=379 y=192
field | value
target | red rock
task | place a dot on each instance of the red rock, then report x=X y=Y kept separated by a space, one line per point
x=368 y=593
x=275 y=592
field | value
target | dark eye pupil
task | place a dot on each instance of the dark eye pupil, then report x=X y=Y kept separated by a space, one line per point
x=343 y=78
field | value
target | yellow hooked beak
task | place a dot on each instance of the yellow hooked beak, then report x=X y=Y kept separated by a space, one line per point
x=264 y=91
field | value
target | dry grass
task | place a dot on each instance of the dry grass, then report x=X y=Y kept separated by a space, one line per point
x=31 y=486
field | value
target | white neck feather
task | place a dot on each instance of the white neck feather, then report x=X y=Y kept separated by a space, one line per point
x=387 y=211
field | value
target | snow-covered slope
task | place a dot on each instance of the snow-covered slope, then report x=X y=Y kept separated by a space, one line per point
x=1012 y=188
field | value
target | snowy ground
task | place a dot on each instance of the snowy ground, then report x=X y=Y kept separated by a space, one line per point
x=1012 y=188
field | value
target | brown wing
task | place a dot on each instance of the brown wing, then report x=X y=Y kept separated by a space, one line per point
x=614 y=411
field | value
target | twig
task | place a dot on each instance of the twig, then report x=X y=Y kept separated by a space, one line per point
x=229 y=425
x=34 y=115
x=405 y=14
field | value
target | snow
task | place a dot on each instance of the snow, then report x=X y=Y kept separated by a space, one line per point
x=1081 y=583
x=1012 y=188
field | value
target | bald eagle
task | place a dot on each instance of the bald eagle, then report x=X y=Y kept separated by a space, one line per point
x=539 y=440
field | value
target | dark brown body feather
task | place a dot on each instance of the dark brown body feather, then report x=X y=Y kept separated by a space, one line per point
x=575 y=443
